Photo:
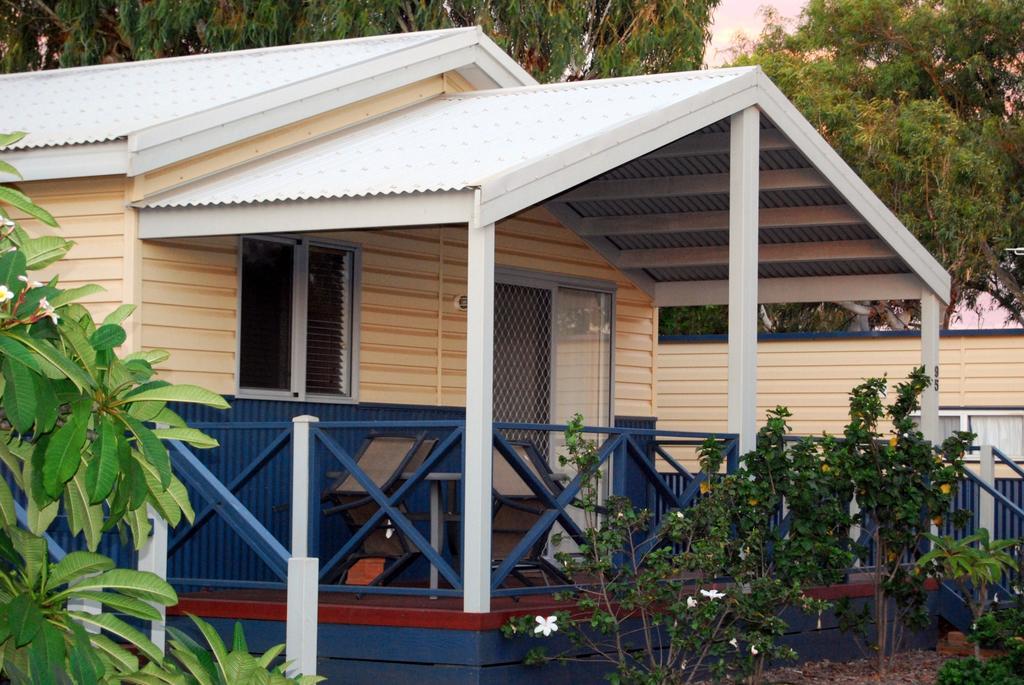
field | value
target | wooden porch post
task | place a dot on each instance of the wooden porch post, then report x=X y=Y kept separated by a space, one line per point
x=743 y=228
x=930 y=324
x=303 y=571
x=476 y=507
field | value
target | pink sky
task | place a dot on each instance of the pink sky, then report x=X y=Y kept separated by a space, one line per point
x=734 y=18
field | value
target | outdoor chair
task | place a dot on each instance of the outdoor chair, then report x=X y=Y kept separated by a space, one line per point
x=516 y=509
x=384 y=459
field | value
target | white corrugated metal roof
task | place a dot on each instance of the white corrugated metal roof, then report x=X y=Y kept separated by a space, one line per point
x=450 y=143
x=107 y=102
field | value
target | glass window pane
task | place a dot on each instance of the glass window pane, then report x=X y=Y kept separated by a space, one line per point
x=583 y=343
x=1003 y=432
x=328 y=321
x=266 y=316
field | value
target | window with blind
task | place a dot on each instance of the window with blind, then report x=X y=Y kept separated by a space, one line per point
x=296 y=319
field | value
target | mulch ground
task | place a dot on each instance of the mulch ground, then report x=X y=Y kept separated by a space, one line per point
x=911 y=668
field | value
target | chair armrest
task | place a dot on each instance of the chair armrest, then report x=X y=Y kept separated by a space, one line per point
x=561 y=476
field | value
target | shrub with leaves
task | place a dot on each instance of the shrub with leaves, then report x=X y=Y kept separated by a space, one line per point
x=81 y=433
x=38 y=630
x=903 y=485
x=975 y=563
x=653 y=604
x=191 y=663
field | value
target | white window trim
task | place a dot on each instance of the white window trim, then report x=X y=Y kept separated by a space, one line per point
x=300 y=283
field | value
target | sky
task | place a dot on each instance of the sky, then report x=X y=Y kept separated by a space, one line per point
x=733 y=17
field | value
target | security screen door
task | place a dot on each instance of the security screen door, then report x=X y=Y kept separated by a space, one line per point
x=552 y=359
x=552 y=356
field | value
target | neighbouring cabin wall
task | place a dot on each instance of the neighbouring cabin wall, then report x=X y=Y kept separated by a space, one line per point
x=813 y=376
x=412 y=335
x=91 y=212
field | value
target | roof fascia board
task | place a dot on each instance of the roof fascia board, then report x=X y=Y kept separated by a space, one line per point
x=68 y=161
x=535 y=181
x=504 y=71
x=847 y=183
x=173 y=141
x=790 y=290
x=352 y=213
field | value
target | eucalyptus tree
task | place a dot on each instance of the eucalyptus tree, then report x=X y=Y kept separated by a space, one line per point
x=567 y=40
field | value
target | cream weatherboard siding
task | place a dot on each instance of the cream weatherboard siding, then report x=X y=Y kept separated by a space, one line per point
x=91 y=212
x=813 y=376
x=412 y=335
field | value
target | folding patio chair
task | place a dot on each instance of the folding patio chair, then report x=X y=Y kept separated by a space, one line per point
x=384 y=459
x=516 y=509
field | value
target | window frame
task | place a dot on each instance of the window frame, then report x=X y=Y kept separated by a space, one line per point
x=300 y=287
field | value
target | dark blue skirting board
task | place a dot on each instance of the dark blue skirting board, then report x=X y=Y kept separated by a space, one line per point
x=374 y=655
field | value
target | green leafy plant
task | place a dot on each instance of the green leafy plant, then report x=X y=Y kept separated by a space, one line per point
x=650 y=600
x=903 y=486
x=38 y=630
x=191 y=663
x=975 y=563
x=998 y=628
x=81 y=432
x=1004 y=670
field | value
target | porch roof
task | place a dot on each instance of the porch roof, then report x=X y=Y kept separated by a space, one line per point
x=638 y=167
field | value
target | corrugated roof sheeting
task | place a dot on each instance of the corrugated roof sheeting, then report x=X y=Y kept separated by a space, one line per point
x=449 y=143
x=107 y=102
x=806 y=234
x=651 y=241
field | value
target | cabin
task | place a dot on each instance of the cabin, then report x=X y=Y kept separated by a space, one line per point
x=407 y=265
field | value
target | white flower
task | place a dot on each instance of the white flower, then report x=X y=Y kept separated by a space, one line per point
x=712 y=594
x=691 y=602
x=679 y=515
x=30 y=284
x=546 y=625
x=753 y=650
x=995 y=600
x=8 y=223
x=734 y=643
x=388 y=532
x=49 y=311
x=5 y=294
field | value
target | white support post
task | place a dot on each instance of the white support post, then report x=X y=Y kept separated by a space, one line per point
x=930 y=325
x=88 y=606
x=476 y=510
x=986 y=502
x=303 y=571
x=300 y=484
x=743 y=237
x=153 y=558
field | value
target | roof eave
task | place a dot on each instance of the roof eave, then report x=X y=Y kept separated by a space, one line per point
x=68 y=161
x=436 y=208
x=170 y=142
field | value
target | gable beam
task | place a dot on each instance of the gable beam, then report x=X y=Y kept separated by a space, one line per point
x=791 y=290
x=686 y=222
x=699 y=144
x=695 y=184
x=778 y=253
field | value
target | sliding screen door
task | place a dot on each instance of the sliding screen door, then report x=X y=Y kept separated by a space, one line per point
x=582 y=337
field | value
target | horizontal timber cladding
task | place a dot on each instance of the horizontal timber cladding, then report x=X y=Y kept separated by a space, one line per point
x=412 y=333
x=812 y=376
x=91 y=212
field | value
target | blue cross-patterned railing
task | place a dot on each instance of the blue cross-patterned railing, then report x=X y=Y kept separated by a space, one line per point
x=242 y=493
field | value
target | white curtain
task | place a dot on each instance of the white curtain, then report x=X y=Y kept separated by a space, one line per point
x=1003 y=432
